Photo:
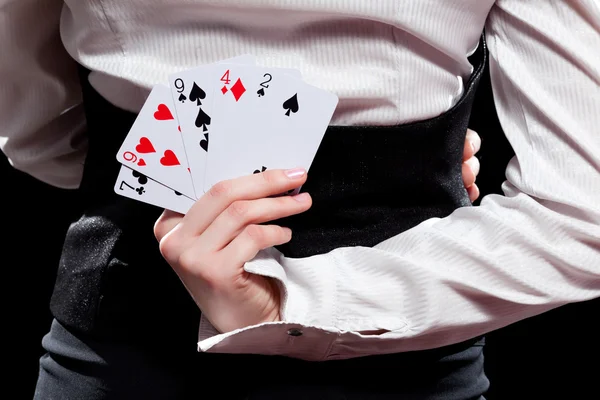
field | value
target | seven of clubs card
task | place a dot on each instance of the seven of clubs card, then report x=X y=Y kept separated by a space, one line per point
x=217 y=122
x=137 y=186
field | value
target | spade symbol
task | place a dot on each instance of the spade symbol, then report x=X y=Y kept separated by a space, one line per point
x=261 y=92
x=258 y=171
x=197 y=94
x=177 y=193
x=202 y=120
x=204 y=142
x=142 y=180
x=291 y=104
x=182 y=97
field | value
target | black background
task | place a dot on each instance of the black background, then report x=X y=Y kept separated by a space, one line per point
x=552 y=356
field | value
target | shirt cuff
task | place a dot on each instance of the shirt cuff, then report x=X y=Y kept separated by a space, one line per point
x=312 y=324
x=290 y=336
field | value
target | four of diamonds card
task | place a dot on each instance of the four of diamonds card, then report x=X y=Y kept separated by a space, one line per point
x=217 y=122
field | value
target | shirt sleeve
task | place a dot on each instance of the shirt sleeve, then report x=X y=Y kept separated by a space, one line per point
x=42 y=122
x=481 y=268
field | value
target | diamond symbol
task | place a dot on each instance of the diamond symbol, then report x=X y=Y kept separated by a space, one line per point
x=224 y=89
x=238 y=89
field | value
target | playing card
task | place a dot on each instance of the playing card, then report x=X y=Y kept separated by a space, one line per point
x=192 y=92
x=280 y=128
x=154 y=145
x=137 y=186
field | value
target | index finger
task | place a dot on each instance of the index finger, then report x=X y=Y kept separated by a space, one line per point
x=251 y=187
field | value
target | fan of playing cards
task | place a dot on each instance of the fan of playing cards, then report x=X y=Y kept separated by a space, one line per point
x=216 y=122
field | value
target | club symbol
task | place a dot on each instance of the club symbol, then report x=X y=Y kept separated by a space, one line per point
x=261 y=92
x=140 y=190
x=182 y=98
x=141 y=178
x=258 y=171
x=177 y=193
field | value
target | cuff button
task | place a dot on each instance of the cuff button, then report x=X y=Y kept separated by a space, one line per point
x=294 y=332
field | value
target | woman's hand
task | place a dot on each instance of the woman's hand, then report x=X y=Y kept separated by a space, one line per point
x=208 y=246
x=470 y=167
x=225 y=228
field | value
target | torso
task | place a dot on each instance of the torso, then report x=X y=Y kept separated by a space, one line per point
x=389 y=61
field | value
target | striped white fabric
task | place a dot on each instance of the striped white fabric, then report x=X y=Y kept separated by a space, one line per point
x=390 y=62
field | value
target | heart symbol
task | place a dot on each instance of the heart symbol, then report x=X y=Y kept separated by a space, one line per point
x=145 y=146
x=163 y=113
x=141 y=163
x=169 y=159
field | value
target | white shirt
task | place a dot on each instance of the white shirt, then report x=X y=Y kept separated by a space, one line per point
x=389 y=61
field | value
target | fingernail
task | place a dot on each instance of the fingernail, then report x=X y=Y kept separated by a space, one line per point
x=474 y=192
x=295 y=173
x=302 y=197
x=475 y=140
x=473 y=163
